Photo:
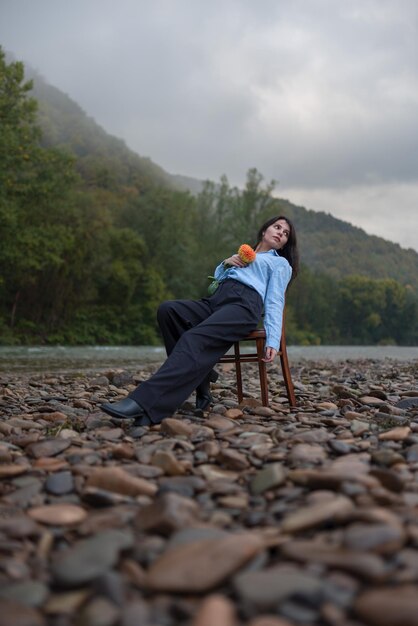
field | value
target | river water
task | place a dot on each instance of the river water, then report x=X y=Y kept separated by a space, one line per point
x=35 y=359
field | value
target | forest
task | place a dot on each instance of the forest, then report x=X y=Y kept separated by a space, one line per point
x=94 y=238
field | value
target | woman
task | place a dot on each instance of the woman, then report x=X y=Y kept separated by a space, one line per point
x=197 y=333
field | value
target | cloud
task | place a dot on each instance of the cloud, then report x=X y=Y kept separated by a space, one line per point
x=387 y=210
x=318 y=94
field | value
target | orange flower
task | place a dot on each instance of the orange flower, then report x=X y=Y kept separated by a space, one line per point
x=246 y=253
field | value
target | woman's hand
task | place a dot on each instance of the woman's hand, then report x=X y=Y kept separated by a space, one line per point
x=235 y=261
x=269 y=355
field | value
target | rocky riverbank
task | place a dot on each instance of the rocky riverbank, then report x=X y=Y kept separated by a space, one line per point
x=243 y=516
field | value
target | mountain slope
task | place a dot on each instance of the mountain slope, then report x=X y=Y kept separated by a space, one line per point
x=338 y=248
x=102 y=159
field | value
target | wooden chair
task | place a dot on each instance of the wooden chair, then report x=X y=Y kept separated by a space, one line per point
x=259 y=336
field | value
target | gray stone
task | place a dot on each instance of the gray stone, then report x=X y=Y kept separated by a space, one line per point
x=169 y=512
x=407 y=403
x=265 y=590
x=48 y=447
x=29 y=593
x=98 y=612
x=90 y=558
x=59 y=483
x=272 y=476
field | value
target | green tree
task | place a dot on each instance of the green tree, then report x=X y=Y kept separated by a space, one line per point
x=34 y=186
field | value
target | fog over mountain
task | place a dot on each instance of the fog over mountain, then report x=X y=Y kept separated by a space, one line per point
x=319 y=95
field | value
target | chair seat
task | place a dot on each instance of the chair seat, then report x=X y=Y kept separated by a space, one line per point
x=255 y=334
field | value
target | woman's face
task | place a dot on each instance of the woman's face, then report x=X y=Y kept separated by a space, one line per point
x=275 y=236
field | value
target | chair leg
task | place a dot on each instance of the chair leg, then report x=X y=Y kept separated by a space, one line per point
x=287 y=378
x=238 y=371
x=262 y=371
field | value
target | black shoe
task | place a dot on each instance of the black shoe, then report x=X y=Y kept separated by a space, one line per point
x=203 y=395
x=127 y=409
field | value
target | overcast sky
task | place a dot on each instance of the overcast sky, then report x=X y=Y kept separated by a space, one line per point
x=321 y=95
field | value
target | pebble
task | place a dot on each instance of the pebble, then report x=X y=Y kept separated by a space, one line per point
x=273 y=475
x=118 y=480
x=168 y=512
x=58 y=514
x=17 y=614
x=199 y=566
x=60 y=483
x=264 y=590
x=240 y=516
x=388 y=605
x=216 y=609
x=87 y=560
x=336 y=510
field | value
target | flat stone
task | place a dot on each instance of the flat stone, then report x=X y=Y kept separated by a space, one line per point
x=272 y=476
x=319 y=435
x=234 y=414
x=18 y=526
x=58 y=514
x=16 y=614
x=200 y=566
x=372 y=401
x=24 y=424
x=388 y=478
x=232 y=459
x=167 y=461
x=371 y=567
x=136 y=613
x=29 y=593
x=220 y=423
x=379 y=538
x=55 y=416
x=331 y=478
x=387 y=606
x=184 y=485
x=359 y=427
x=119 y=481
x=93 y=557
x=407 y=403
x=109 y=434
x=51 y=464
x=387 y=457
x=263 y=411
x=213 y=472
x=59 y=483
x=9 y=471
x=264 y=590
x=215 y=609
x=305 y=454
x=168 y=512
x=234 y=502
x=98 y=612
x=123 y=451
x=412 y=453
x=171 y=426
x=334 y=511
x=327 y=406
x=395 y=434
x=66 y=603
x=48 y=447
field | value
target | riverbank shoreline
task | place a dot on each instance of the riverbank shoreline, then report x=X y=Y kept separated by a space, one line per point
x=32 y=359
x=243 y=516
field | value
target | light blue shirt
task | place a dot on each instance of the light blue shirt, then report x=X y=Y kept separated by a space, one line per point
x=269 y=275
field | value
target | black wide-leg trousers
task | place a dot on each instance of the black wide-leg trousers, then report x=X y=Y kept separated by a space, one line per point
x=196 y=334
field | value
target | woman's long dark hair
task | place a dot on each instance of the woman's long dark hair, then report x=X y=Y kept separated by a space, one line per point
x=290 y=250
